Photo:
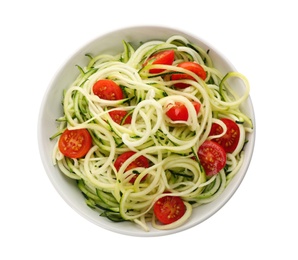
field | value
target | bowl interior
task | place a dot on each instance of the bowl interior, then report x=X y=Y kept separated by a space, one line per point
x=51 y=109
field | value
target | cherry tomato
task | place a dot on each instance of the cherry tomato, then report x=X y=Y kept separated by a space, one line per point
x=75 y=143
x=169 y=209
x=163 y=57
x=119 y=115
x=141 y=161
x=179 y=112
x=107 y=89
x=191 y=66
x=230 y=139
x=212 y=157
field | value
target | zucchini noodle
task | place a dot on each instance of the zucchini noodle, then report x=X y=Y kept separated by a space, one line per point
x=170 y=146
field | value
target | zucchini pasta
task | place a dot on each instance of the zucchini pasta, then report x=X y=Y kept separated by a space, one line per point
x=152 y=132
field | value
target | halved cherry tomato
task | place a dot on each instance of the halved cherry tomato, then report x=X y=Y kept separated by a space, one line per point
x=107 y=89
x=169 y=209
x=141 y=161
x=230 y=139
x=179 y=112
x=191 y=66
x=119 y=115
x=163 y=57
x=212 y=157
x=75 y=143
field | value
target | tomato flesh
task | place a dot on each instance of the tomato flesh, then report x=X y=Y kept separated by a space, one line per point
x=141 y=161
x=229 y=141
x=179 y=112
x=75 y=143
x=107 y=89
x=191 y=66
x=120 y=117
x=169 y=209
x=163 y=57
x=212 y=157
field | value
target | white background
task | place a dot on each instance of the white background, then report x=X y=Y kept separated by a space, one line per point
x=259 y=38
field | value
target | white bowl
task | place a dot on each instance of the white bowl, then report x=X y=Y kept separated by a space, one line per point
x=51 y=109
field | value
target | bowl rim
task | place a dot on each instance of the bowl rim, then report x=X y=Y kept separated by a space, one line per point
x=112 y=227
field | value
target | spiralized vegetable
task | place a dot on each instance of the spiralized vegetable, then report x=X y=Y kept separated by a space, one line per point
x=170 y=146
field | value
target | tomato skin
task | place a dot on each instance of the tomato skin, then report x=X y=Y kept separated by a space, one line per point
x=141 y=161
x=75 y=143
x=169 y=209
x=163 y=57
x=119 y=115
x=230 y=139
x=197 y=106
x=191 y=66
x=179 y=112
x=107 y=89
x=212 y=157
